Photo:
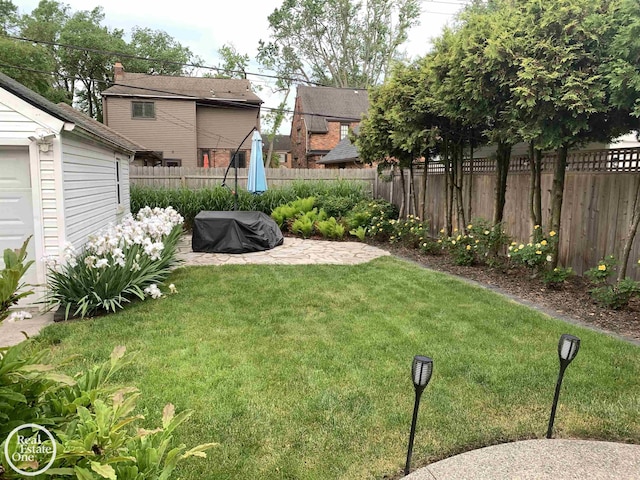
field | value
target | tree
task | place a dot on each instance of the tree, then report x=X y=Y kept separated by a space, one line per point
x=234 y=64
x=169 y=56
x=342 y=43
x=561 y=93
x=396 y=130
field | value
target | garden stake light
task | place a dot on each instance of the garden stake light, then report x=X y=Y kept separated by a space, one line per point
x=568 y=347
x=421 y=371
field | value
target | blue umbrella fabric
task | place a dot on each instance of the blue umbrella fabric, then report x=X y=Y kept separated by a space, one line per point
x=257 y=180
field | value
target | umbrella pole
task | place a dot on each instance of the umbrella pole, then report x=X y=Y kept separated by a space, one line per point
x=235 y=168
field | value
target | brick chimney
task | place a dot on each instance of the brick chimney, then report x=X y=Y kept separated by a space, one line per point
x=118 y=72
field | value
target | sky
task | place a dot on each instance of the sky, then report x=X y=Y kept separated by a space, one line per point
x=206 y=26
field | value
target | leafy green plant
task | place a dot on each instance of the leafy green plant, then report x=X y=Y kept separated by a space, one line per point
x=603 y=271
x=615 y=296
x=302 y=226
x=461 y=247
x=555 y=278
x=489 y=240
x=92 y=421
x=370 y=213
x=330 y=228
x=116 y=266
x=533 y=255
x=360 y=233
x=337 y=206
x=410 y=231
x=14 y=269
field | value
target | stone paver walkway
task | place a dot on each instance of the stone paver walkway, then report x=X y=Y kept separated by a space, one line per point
x=11 y=332
x=294 y=251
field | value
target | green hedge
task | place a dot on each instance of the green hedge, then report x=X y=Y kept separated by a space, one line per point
x=190 y=202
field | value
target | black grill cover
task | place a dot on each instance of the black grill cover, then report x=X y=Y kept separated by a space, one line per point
x=234 y=232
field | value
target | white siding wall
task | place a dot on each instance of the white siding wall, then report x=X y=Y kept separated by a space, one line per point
x=50 y=211
x=14 y=124
x=124 y=183
x=90 y=197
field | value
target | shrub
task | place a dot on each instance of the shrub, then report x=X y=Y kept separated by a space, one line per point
x=369 y=213
x=330 y=228
x=116 y=265
x=303 y=226
x=336 y=206
x=91 y=421
x=190 y=202
x=10 y=277
x=556 y=277
x=461 y=247
x=489 y=240
x=533 y=255
x=410 y=232
x=616 y=296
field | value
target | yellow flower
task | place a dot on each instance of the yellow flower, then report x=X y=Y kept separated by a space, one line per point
x=555 y=269
x=536 y=227
x=424 y=244
x=459 y=237
x=543 y=242
x=439 y=241
x=442 y=230
x=469 y=227
x=538 y=245
x=514 y=243
x=486 y=232
x=477 y=241
x=602 y=268
x=521 y=246
x=453 y=242
x=455 y=229
x=529 y=244
x=552 y=233
x=538 y=252
x=468 y=247
x=510 y=247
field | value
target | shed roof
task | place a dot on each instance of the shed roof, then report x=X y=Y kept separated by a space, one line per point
x=199 y=88
x=68 y=114
x=319 y=104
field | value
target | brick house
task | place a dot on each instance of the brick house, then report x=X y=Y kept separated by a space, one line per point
x=190 y=120
x=322 y=118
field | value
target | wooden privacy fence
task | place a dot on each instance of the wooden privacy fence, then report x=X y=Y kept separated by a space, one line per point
x=198 y=177
x=596 y=211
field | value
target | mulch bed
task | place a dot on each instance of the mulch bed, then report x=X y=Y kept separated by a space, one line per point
x=572 y=300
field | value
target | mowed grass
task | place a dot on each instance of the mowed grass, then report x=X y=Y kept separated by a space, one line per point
x=303 y=372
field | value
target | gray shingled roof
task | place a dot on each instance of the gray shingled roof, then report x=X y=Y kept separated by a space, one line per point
x=344 y=151
x=282 y=143
x=140 y=84
x=67 y=114
x=320 y=104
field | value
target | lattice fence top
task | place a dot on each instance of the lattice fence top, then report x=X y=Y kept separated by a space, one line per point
x=606 y=160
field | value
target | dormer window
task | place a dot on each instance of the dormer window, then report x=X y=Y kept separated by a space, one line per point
x=145 y=110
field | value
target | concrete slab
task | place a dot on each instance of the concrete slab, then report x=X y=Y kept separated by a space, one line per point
x=11 y=333
x=539 y=460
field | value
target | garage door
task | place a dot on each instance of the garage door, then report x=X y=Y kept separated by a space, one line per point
x=16 y=209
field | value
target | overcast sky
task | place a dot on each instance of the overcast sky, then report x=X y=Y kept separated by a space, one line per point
x=206 y=26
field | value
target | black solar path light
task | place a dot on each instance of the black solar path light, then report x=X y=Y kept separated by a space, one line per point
x=568 y=347
x=421 y=371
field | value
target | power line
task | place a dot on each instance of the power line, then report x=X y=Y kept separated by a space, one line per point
x=196 y=98
x=161 y=61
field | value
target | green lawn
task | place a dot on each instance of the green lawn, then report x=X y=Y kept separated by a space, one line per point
x=303 y=372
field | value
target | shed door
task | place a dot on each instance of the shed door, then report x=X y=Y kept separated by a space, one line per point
x=16 y=209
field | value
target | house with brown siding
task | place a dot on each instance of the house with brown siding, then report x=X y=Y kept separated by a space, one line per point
x=323 y=116
x=191 y=121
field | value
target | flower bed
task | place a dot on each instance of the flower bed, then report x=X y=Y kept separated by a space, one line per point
x=123 y=262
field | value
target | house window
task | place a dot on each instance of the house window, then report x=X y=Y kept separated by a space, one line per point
x=201 y=157
x=118 y=194
x=241 y=159
x=344 y=130
x=143 y=110
x=172 y=162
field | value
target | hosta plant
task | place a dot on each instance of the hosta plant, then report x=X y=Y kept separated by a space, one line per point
x=116 y=265
x=11 y=275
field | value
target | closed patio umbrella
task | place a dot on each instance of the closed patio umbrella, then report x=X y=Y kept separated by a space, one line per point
x=257 y=179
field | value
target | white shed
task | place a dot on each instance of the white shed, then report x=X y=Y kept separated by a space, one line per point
x=63 y=175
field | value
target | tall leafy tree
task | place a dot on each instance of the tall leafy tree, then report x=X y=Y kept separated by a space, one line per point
x=561 y=92
x=169 y=56
x=343 y=43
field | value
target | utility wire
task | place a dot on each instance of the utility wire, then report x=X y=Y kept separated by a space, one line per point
x=161 y=61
